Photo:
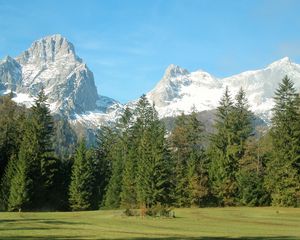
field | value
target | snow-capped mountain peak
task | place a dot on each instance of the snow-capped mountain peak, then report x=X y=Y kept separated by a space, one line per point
x=177 y=93
x=49 y=49
x=174 y=71
x=51 y=63
x=286 y=61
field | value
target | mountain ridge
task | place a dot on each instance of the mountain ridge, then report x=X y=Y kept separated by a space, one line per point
x=52 y=63
x=201 y=90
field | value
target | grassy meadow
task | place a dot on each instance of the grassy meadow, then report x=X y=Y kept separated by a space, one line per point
x=189 y=224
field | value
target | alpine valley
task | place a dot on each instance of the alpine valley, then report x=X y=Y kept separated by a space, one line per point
x=51 y=63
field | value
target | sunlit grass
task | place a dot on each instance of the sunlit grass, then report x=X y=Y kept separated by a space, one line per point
x=206 y=223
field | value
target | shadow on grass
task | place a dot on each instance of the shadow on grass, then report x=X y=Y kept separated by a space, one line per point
x=49 y=224
x=36 y=220
x=148 y=238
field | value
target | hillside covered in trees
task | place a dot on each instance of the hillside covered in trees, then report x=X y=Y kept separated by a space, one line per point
x=138 y=164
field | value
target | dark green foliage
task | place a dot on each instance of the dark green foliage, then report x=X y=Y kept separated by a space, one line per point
x=102 y=166
x=223 y=165
x=44 y=166
x=252 y=171
x=11 y=118
x=113 y=194
x=284 y=167
x=11 y=123
x=152 y=157
x=82 y=179
x=233 y=127
x=134 y=166
x=10 y=172
x=251 y=189
x=191 y=176
x=22 y=186
x=128 y=194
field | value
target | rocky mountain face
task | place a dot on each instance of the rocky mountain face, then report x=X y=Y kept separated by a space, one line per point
x=51 y=63
x=181 y=91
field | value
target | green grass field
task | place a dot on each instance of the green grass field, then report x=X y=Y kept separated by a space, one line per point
x=189 y=224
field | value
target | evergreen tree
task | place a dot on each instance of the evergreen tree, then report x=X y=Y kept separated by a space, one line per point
x=39 y=155
x=113 y=194
x=19 y=197
x=5 y=187
x=284 y=166
x=11 y=126
x=82 y=179
x=153 y=158
x=112 y=152
x=22 y=188
x=251 y=175
x=242 y=123
x=191 y=179
x=233 y=128
x=11 y=118
x=223 y=166
x=128 y=194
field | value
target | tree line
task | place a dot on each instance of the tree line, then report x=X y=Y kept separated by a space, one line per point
x=138 y=164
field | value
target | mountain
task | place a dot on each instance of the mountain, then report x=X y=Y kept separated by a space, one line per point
x=181 y=91
x=51 y=63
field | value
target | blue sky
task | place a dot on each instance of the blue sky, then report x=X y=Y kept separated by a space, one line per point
x=129 y=43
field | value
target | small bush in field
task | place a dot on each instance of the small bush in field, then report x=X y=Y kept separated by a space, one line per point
x=159 y=211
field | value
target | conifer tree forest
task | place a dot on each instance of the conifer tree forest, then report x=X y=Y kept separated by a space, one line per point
x=138 y=164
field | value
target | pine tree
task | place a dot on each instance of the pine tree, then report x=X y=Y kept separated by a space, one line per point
x=242 y=120
x=128 y=194
x=19 y=197
x=22 y=186
x=113 y=193
x=181 y=152
x=223 y=163
x=152 y=157
x=233 y=128
x=5 y=187
x=41 y=164
x=105 y=144
x=284 y=167
x=11 y=117
x=191 y=179
x=11 y=124
x=82 y=179
x=252 y=171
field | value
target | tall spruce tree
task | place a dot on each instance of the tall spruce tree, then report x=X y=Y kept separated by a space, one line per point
x=113 y=193
x=252 y=171
x=111 y=145
x=223 y=167
x=191 y=181
x=128 y=194
x=82 y=179
x=44 y=165
x=6 y=181
x=198 y=164
x=12 y=118
x=284 y=167
x=242 y=123
x=152 y=157
x=27 y=169
x=233 y=127
x=8 y=136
